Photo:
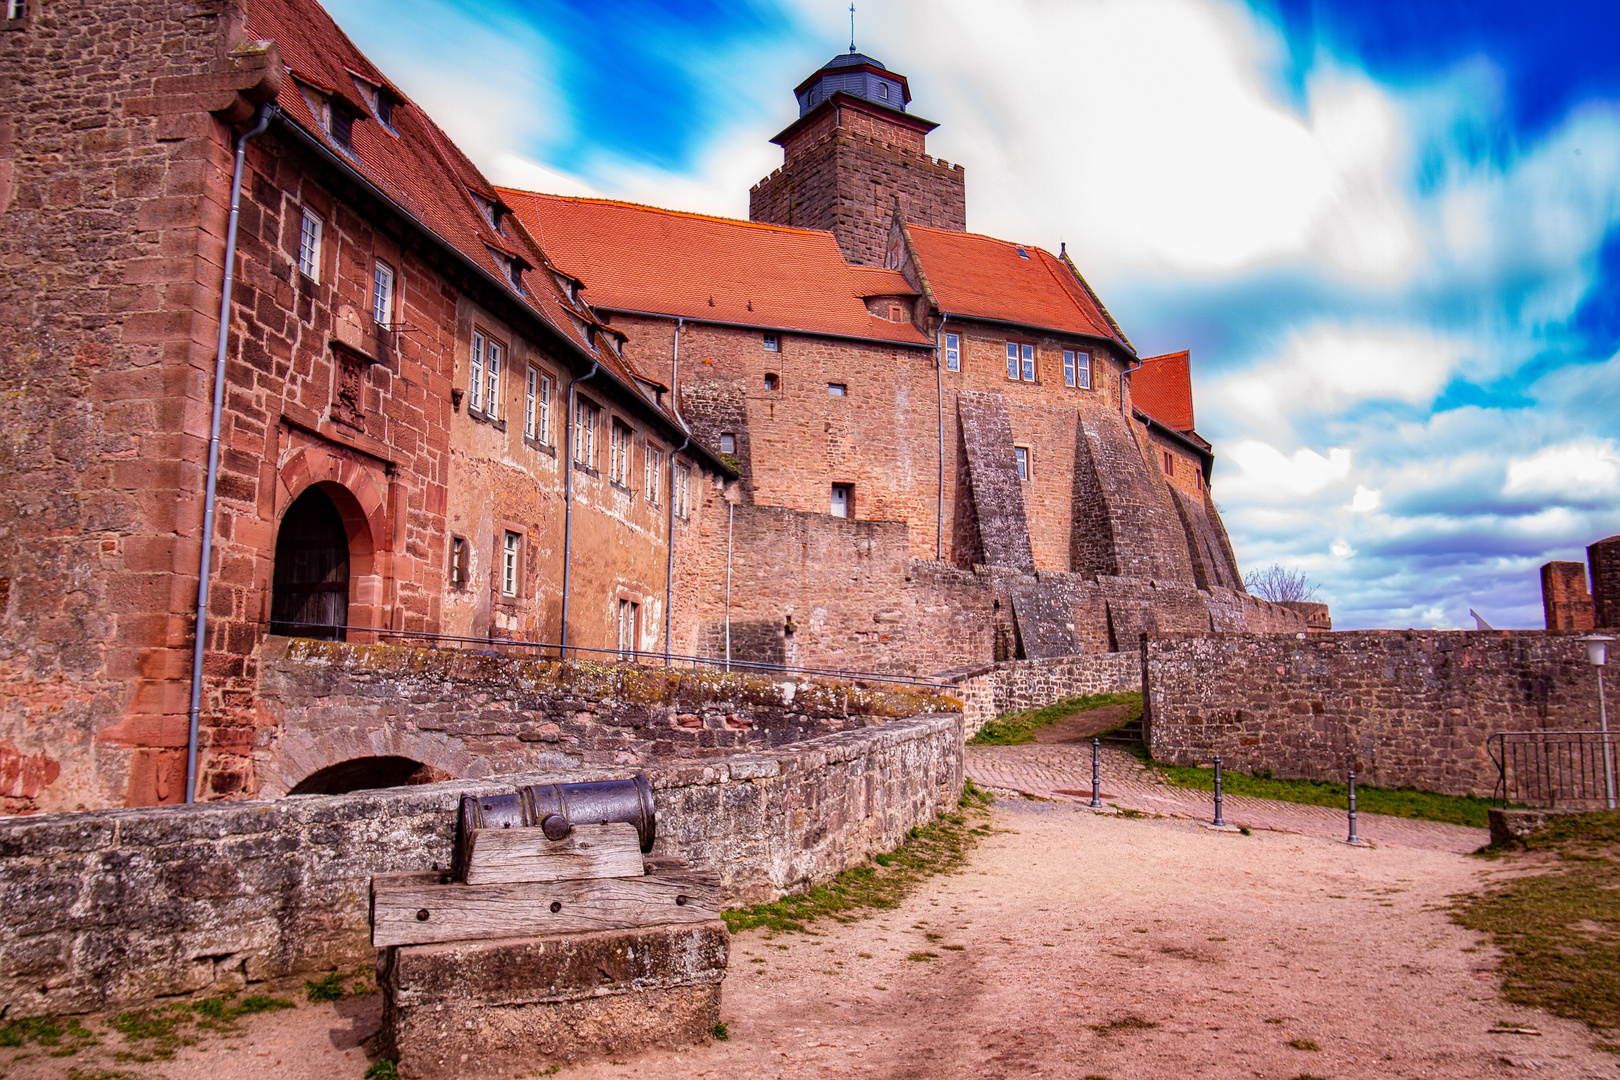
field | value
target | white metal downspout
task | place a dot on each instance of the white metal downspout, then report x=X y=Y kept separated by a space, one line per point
x=939 y=380
x=568 y=504
x=669 y=569
x=731 y=514
x=261 y=120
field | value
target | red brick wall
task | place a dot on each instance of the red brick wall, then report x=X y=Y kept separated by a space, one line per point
x=1603 y=558
x=1564 y=599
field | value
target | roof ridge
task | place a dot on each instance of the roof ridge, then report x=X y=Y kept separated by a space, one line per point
x=718 y=218
x=976 y=236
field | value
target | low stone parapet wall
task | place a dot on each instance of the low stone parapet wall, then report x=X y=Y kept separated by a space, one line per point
x=1401 y=707
x=1016 y=685
x=468 y=714
x=106 y=908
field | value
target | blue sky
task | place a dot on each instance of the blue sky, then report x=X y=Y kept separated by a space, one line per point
x=1389 y=232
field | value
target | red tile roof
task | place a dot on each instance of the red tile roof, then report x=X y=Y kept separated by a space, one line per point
x=1162 y=388
x=975 y=276
x=714 y=269
x=876 y=281
x=416 y=166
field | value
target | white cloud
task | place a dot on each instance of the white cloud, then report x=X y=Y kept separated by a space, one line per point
x=1366 y=500
x=1265 y=472
x=1580 y=468
x=1341 y=549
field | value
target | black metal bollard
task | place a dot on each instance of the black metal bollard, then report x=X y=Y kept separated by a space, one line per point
x=1219 y=821
x=1096 y=773
x=1354 y=839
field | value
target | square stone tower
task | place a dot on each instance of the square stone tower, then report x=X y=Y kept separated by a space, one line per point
x=852 y=157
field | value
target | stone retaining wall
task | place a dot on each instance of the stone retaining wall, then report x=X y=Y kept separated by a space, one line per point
x=469 y=714
x=1401 y=707
x=1029 y=684
x=107 y=908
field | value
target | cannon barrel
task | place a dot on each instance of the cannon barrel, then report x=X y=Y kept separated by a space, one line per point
x=555 y=809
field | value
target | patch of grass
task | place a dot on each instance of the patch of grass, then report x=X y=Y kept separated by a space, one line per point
x=1124 y=1023
x=1303 y=1044
x=1397 y=802
x=154 y=1027
x=383 y=1070
x=328 y=989
x=938 y=847
x=923 y=957
x=1011 y=729
x=1559 y=930
x=102 y=1074
x=48 y=1031
x=721 y=1032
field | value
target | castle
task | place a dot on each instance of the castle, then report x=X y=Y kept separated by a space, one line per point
x=282 y=361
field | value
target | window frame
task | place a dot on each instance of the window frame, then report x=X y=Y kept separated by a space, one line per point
x=621 y=450
x=459 y=562
x=953 y=352
x=1169 y=464
x=773 y=381
x=493 y=353
x=849 y=502
x=629 y=627
x=475 y=373
x=511 y=563
x=728 y=442
x=531 y=400
x=653 y=458
x=771 y=342
x=311 y=226
x=382 y=293
x=1077 y=368
x=838 y=389
x=16 y=11
x=1022 y=463
x=587 y=417
x=1028 y=365
x=680 y=489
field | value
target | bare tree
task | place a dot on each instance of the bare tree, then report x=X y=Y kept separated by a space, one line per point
x=1280 y=584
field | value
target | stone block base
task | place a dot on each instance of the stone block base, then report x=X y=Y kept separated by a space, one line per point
x=483 y=1010
x=1511 y=828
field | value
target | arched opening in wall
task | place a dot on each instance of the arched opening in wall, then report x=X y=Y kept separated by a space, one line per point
x=310 y=588
x=363 y=774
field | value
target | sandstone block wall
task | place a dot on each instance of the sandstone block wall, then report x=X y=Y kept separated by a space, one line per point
x=1401 y=707
x=469 y=715
x=1604 y=559
x=1030 y=684
x=102 y=909
x=1565 y=602
x=830 y=185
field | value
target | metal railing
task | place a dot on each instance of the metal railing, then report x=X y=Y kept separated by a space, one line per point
x=1556 y=769
x=547 y=650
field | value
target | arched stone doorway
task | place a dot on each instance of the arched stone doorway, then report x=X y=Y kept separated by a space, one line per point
x=310 y=588
x=365 y=773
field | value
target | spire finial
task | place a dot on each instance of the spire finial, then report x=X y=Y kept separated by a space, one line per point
x=852 y=29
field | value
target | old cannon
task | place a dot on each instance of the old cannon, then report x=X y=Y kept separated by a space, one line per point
x=555 y=809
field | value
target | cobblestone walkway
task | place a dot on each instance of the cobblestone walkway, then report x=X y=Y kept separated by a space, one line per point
x=1062 y=772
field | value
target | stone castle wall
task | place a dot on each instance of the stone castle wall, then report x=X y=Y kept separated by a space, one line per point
x=830 y=184
x=1029 y=684
x=468 y=715
x=105 y=909
x=1401 y=707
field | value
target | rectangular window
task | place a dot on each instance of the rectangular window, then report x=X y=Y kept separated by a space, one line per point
x=1077 y=368
x=1029 y=363
x=1169 y=464
x=772 y=343
x=531 y=403
x=837 y=389
x=309 y=245
x=619 y=454
x=509 y=563
x=586 y=418
x=1012 y=359
x=629 y=629
x=1021 y=455
x=492 y=380
x=682 y=492
x=16 y=9
x=842 y=497
x=382 y=295
x=655 y=469
x=458 y=561
x=728 y=442
x=542 y=411
x=475 y=375
x=953 y=352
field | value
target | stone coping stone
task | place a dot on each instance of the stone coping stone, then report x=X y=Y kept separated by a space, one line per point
x=486 y=1009
x=1511 y=828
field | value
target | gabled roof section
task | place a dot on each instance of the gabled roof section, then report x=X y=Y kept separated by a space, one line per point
x=980 y=277
x=418 y=168
x=709 y=269
x=876 y=281
x=1162 y=388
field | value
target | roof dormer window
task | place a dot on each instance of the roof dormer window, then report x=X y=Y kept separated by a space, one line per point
x=493 y=211
x=379 y=99
x=340 y=125
x=883 y=90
